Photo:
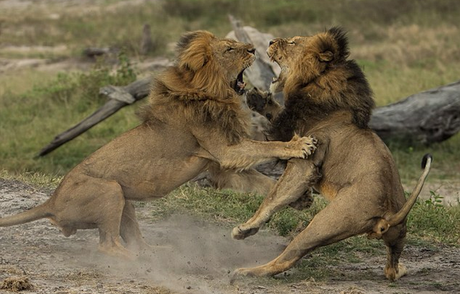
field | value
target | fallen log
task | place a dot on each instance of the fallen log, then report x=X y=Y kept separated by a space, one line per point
x=93 y=52
x=428 y=117
x=119 y=97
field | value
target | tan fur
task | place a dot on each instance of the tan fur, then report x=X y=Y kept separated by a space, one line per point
x=194 y=122
x=328 y=96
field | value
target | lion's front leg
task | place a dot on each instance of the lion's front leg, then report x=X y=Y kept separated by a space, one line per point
x=296 y=179
x=250 y=152
x=298 y=147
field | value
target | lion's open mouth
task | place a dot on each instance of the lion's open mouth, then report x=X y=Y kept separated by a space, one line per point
x=278 y=78
x=277 y=83
x=238 y=85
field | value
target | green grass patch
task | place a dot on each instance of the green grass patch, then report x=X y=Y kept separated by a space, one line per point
x=446 y=160
x=31 y=119
x=430 y=220
x=231 y=207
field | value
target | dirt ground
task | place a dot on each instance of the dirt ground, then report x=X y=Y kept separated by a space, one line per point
x=188 y=256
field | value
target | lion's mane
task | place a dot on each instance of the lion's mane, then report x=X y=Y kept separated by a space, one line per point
x=316 y=88
x=196 y=90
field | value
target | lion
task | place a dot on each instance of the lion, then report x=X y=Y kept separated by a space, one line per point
x=327 y=96
x=194 y=121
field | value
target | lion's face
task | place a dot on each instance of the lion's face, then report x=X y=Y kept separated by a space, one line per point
x=212 y=64
x=234 y=57
x=306 y=57
x=285 y=52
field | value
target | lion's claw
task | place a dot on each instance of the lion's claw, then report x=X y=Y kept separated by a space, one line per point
x=308 y=145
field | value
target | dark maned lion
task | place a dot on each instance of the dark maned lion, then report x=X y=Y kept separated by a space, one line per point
x=327 y=95
x=194 y=121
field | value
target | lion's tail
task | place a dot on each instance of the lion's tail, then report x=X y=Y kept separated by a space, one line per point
x=36 y=213
x=398 y=217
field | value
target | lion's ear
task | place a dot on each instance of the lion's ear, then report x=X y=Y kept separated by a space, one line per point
x=326 y=56
x=332 y=45
x=326 y=47
x=340 y=40
x=195 y=57
x=194 y=50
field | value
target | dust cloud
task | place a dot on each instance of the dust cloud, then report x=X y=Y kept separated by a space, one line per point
x=192 y=255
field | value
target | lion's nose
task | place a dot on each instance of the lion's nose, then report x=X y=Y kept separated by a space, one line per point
x=252 y=51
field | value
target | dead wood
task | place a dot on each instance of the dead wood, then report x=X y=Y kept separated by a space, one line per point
x=93 y=52
x=119 y=97
x=427 y=117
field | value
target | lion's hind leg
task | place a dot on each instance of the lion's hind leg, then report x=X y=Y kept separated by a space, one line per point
x=111 y=203
x=394 y=239
x=334 y=223
x=85 y=202
x=130 y=231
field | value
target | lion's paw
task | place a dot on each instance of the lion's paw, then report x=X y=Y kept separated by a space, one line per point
x=239 y=233
x=306 y=145
x=238 y=273
x=257 y=99
x=394 y=275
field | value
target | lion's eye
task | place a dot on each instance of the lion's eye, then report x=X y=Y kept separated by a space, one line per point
x=291 y=42
x=229 y=49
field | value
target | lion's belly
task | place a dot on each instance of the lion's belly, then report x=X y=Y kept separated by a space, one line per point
x=147 y=162
x=160 y=179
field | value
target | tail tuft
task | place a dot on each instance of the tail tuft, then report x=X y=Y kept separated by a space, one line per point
x=425 y=159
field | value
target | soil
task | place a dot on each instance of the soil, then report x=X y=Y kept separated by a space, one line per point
x=188 y=255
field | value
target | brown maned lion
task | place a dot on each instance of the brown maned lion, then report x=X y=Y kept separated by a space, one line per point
x=327 y=95
x=194 y=121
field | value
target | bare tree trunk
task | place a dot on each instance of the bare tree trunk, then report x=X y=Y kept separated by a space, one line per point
x=427 y=117
x=119 y=97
